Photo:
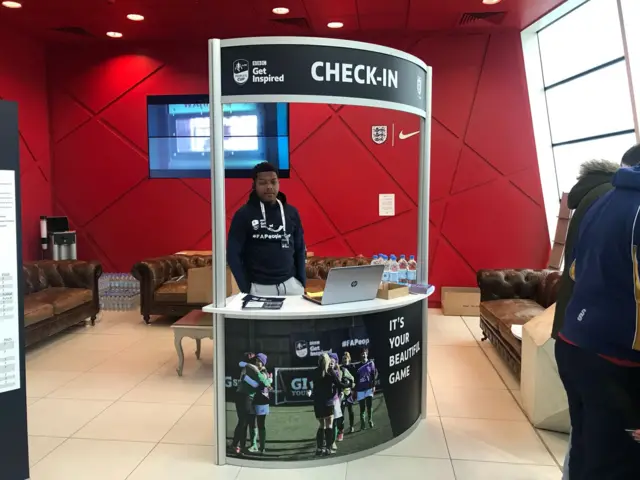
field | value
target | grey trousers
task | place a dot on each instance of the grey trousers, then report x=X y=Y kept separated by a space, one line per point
x=290 y=287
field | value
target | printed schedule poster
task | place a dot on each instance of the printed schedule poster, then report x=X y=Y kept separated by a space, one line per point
x=9 y=314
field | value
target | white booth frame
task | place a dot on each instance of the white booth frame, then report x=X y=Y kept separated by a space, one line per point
x=218 y=217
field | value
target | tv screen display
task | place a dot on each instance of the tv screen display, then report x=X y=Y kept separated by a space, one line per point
x=179 y=142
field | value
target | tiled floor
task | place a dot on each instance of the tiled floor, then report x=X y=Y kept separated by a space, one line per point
x=105 y=403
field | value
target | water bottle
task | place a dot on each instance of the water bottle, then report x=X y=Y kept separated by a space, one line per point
x=386 y=273
x=412 y=270
x=393 y=269
x=402 y=269
x=374 y=260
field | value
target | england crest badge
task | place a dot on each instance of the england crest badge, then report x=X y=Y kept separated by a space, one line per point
x=379 y=134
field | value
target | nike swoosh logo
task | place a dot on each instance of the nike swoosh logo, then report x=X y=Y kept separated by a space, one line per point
x=404 y=136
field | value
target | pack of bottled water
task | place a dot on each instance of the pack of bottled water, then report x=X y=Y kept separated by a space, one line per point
x=400 y=271
x=118 y=291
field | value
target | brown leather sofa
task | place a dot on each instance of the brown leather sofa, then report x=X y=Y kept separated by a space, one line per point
x=513 y=297
x=163 y=280
x=57 y=295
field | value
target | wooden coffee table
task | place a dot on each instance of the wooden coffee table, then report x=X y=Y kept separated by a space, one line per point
x=197 y=325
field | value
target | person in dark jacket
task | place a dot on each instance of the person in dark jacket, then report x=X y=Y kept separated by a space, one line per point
x=598 y=346
x=265 y=248
x=594 y=181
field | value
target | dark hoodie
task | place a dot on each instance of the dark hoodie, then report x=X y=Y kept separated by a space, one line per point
x=593 y=182
x=254 y=248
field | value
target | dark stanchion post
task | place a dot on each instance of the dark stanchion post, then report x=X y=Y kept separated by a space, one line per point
x=14 y=447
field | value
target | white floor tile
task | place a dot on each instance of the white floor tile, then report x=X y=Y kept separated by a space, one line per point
x=207 y=397
x=384 y=468
x=107 y=343
x=432 y=404
x=194 y=428
x=171 y=462
x=41 y=383
x=164 y=389
x=477 y=403
x=140 y=422
x=466 y=470
x=94 y=459
x=557 y=443
x=450 y=331
x=427 y=441
x=134 y=360
x=40 y=447
x=62 y=418
x=461 y=367
x=31 y=400
x=473 y=324
x=494 y=441
x=508 y=377
x=68 y=360
x=98 y=386
x=331 y=472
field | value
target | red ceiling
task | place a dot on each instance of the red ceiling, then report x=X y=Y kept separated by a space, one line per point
x=201 y=19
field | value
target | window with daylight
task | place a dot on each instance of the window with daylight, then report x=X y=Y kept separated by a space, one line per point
x=587 y=89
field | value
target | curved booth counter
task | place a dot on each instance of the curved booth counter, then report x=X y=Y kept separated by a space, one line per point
x=293 y=338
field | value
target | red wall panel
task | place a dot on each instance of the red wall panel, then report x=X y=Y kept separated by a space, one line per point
x=486 y=201
x=23 y=80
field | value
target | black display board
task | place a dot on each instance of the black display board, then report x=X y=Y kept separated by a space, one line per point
x=393 y=340
x=14 y=448
x=303 y=70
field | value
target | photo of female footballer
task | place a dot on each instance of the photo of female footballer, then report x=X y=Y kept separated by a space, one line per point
x=257 y=421
x=252 y=380
x=326 y=392
x=366 y=377
x=346 y=397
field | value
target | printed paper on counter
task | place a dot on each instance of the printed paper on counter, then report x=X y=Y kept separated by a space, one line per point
x=387 y=205
x=9 y=312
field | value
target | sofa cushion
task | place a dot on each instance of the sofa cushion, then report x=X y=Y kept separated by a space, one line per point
x=35 y=310
x=63 y=299
x=502 y=314
x=172 y=292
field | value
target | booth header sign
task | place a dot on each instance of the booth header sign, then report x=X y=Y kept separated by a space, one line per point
x=292 y=71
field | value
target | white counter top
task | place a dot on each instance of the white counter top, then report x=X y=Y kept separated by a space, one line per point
x=298 y=307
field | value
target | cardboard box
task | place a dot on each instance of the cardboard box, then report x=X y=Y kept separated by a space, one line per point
x=461 y=301
x=389 y=291
x=556 y=257
x=561 y=231
x=200 y=285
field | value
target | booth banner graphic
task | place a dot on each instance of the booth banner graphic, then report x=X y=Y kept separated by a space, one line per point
x=292 y=385
x=308 y=346
x=381 y=401
x=322 y=71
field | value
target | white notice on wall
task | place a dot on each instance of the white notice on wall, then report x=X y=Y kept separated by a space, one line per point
x=387 y=204
x=9 y=313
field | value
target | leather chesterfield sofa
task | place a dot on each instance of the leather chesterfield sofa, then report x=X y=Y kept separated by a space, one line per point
x=57 y=295
x=163 y=280
x=513 y=297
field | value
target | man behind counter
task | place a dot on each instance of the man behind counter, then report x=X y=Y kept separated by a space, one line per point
x=265 y=248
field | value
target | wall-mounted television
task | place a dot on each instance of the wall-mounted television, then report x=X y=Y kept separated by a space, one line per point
x=179 y=143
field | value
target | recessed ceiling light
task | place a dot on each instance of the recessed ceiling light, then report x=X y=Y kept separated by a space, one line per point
x=491 y=2
x=12 y=4
x=114 y=34
x=280 y=10
x=335 y=24
x=135 y=17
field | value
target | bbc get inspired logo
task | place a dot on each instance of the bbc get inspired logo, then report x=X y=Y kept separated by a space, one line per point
x=257 y=71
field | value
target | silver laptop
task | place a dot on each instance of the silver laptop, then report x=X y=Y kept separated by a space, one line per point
x=350 y=284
